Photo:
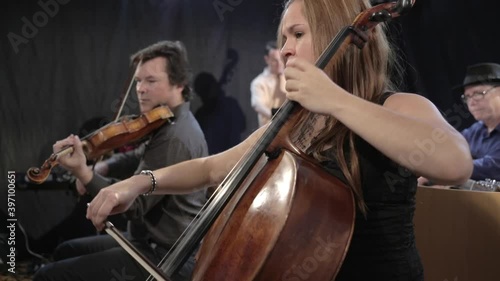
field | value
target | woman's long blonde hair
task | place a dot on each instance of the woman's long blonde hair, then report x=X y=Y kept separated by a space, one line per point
x=362 y=72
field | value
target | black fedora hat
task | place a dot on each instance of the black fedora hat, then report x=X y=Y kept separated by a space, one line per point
x=481 y=73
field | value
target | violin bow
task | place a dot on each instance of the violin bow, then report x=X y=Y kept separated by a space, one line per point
x=125 y=96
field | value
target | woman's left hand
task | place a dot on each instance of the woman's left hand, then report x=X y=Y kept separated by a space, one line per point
x=310 y=86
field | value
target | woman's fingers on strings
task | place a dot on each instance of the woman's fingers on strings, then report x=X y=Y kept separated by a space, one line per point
x=291 y=86
x=293 y=81
x=290 y=74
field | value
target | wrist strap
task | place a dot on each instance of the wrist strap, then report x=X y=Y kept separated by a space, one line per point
x=153 y=181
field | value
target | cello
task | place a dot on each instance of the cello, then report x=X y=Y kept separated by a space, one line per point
x=281 y=218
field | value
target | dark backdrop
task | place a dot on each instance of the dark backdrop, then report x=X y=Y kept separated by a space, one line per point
x=65 y=64
x=68 y=62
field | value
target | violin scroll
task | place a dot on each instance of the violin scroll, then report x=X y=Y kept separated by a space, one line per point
x=39 y=175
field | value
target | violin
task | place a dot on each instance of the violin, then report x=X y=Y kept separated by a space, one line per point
x=125 y=130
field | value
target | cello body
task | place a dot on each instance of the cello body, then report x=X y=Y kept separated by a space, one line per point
x=294 y=222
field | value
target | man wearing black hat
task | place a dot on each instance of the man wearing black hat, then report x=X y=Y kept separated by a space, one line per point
x=481 y=94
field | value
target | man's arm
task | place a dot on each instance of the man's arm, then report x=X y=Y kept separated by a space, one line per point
x=487 y=167
x=122 y=165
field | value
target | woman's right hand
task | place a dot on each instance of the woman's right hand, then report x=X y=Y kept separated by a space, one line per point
x=115 y=199
x=422 y=181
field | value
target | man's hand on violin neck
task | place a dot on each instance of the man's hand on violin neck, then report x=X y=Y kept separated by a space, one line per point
x=75 y=162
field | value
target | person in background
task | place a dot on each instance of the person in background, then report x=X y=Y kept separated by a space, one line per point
x=268 y=88
x=481 y=94
x=220 y=116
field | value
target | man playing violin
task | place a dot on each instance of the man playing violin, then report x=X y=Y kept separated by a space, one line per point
x=155 y=222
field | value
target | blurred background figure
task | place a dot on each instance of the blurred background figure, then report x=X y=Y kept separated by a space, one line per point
x=268 y=88
x=221 y=117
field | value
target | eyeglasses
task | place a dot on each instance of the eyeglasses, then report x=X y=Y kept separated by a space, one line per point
x=477 y=96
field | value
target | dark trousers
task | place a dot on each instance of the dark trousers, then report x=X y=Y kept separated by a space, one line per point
x=101 y=258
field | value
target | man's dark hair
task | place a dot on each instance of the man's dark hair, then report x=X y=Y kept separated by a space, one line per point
x=270 y=45
x=177 y=69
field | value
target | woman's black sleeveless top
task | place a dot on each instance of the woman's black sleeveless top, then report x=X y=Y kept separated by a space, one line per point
x=383 y=244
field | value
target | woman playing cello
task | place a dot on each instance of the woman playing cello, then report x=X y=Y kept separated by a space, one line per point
x=374 y=139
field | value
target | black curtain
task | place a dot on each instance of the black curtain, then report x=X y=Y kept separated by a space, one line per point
x=64 y=62
x=439 y=39
x=67 y=61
